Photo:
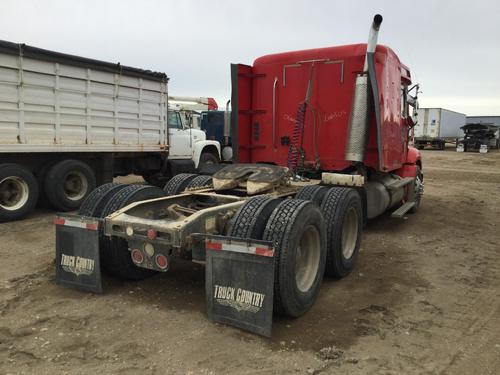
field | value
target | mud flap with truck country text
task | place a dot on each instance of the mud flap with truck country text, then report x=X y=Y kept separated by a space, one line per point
x=77 y=252
x=239 y=282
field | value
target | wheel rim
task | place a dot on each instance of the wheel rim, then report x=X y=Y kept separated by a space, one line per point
x=14 y=193
x=307 y=258
x=418 y=189
x=349 y=232
x=75 y=186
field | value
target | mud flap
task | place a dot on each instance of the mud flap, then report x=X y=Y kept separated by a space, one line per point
x=239 y=282
x=77 y=252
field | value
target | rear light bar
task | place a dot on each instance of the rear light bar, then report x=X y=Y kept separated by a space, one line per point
x=239 y=247
x=84 y=224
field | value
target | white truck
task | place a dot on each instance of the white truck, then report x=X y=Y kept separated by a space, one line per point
x=190 y=108
x=436 y=126
x=69 y=123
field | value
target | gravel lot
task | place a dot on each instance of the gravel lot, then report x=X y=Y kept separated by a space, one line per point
x=425 y=298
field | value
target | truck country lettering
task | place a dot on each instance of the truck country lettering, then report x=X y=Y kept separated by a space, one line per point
x=238 y=298
x=77 y=265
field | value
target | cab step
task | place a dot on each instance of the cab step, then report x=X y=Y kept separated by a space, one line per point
x=402 y=211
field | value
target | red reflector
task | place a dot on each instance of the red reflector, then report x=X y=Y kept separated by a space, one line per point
x=213 y=246
x=152 y=234
x=161 y=261
x=59 y=221
x=137 y=256
x=264 y=252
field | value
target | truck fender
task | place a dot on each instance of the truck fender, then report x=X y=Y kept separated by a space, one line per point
x=414 y=157
x=413 y=160
x=200 y=146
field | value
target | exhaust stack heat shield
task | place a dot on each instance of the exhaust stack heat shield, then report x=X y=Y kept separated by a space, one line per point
x=359 y=121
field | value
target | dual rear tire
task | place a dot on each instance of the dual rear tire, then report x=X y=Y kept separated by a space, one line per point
x=316 y=234
x=297 y=230
x=343 y=211
x=64 y=185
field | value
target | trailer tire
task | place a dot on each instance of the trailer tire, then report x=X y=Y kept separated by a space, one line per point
x=115 y=257
x=18 y=192
x=314 y=193
x=68 y=183
x=178 y=183
x=93 y=205
x=200 y=182
x=251 y=219
x=293 y=226
x=343 y=210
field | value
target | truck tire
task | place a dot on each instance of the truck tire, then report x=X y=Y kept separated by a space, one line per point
x=115 y=256
x=68 y=183
x=297 y=230
x=200 y=182
x=343 y=211
x=178 y=183
x=251 y=219
x=18 y=192
x=314 y=193
x=94 y=203
x=207 y=158
x=418 y=191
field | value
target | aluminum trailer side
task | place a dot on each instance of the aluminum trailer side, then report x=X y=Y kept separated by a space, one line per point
x=436 y=126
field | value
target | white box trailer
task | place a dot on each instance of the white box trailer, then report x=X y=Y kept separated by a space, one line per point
x=69 y=123
x=436 y=126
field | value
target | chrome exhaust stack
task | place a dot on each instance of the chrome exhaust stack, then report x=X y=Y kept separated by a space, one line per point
x=359 y=121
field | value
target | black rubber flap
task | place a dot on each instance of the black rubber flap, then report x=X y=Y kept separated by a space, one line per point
x=77 y=253
x=239 y=283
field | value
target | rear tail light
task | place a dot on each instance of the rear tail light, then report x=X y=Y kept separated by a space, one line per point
x=161 y=261
x=152 y=234
x=137 y=256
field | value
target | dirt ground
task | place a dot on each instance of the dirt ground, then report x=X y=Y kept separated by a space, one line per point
x=424 y=299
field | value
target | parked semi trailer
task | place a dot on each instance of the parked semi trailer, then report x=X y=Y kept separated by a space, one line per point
x=479 y=136
x=436 y=126
x=68 y=124
x=265 y=237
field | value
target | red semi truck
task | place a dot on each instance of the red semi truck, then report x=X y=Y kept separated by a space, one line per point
x=322 y=110
x=266 y=239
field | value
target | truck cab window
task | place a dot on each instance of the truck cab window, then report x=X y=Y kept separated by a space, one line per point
x=174 y=120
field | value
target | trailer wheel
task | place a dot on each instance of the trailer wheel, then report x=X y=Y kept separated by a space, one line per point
x=199 y=182
x=251 y=219
x=314 y=193
x=297 y=230
x=68 y=183
x=115 y=255
x=178 y=183
x=418 y=190
x=18 y=192
x=343 y=212
x=94 y=203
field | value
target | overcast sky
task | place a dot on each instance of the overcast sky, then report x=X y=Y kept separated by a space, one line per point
x=451 y=47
